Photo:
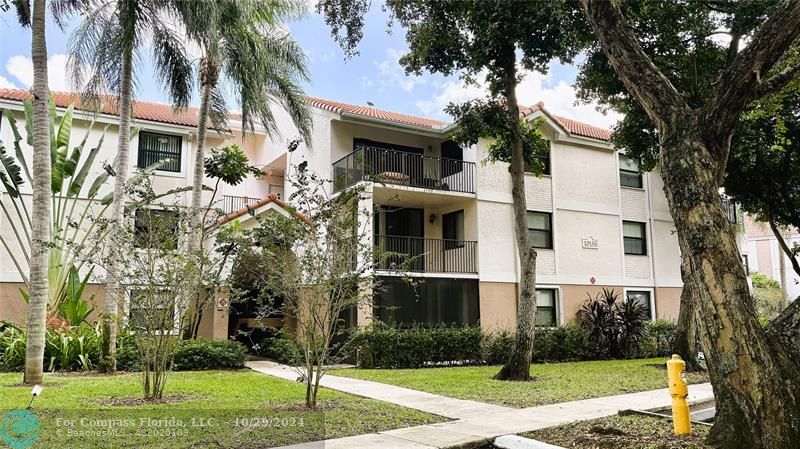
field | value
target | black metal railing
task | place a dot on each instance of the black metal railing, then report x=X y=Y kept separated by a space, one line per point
x=232 y=203
x=403 y=168
x=423 y=255
x=729 y=205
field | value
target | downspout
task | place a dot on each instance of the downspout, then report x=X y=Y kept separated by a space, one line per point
x=652 y=246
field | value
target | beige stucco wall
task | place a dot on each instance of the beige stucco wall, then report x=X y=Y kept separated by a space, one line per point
x=573 y=297
x=585 y=178
x=574 y=260
x=498 y=306
x=668 y=303
x=14 y=309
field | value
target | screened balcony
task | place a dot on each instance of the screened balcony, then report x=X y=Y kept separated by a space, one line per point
x=424 y=255
x=404 y=168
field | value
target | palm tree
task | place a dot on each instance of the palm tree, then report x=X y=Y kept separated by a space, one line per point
x=105 y=47
x=243 y=43
x=40 y=229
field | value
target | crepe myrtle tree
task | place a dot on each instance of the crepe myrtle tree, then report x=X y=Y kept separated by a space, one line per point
x=691 y=119
x=317 y=267
x=161 y=279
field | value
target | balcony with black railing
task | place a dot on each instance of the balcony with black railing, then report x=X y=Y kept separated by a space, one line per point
x=729 y=205
x=424 y=255
x=403 y=168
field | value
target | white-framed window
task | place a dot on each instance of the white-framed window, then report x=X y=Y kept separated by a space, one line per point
x=152 y=226
x=629 y=172
x=643 y=297
x=158 y=313
x=634 y=236
x=547 y=309
x=154 y=147
x=540 y=229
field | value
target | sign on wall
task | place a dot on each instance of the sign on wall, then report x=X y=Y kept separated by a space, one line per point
x=589 y=243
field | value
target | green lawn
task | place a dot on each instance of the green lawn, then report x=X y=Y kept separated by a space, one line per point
x=240 y=409
x=554 y=382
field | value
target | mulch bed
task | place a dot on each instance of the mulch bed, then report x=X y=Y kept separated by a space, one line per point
x=130 y=401
x=622 y=432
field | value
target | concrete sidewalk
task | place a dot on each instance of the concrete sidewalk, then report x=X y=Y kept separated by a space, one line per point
x=418 y=400
x=474 y=422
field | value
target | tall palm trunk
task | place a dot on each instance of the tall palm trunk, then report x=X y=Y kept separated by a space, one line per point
x=518 y=365
x=114 y=291
x=208 y=79
x=37 y=304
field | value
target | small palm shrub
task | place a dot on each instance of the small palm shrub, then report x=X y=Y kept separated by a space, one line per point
x=616 y=326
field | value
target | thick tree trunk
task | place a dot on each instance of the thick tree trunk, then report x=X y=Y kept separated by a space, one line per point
x=685 y=343
x=37 y=303
x=518 y=365
x=114 y=291
x=756 y=382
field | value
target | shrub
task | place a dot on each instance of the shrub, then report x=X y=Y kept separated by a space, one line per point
x=384 y=346
x=616 y=326
x=564 y=343
x=202 y=354
x=658 y=340
x=282 y=348
x=497 y=347
x=75 y=348
x=12 y=348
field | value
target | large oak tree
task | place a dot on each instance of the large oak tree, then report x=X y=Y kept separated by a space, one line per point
x=755 y=371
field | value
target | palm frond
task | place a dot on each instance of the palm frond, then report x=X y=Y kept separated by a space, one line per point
x=172 y=64
x=23 y=10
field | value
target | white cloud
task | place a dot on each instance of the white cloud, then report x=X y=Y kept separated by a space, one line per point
x=393 y=75
x=21 y=68
x=6 y=84
x=559 y=98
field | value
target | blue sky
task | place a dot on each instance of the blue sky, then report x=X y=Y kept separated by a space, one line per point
x=374 y=75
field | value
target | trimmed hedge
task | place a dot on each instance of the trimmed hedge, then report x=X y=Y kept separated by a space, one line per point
x=189 y=355
x=202 y=354
x=389 y=347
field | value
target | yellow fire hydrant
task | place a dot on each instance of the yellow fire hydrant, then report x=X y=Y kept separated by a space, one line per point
x=678 y=389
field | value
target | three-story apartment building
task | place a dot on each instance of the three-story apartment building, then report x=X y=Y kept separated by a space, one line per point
x=595 y=220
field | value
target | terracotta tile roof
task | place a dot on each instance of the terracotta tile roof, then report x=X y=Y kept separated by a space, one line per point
x=338 y=107
x=572 y=126
x=142 y=110
x=163 y=113
x=271 y=198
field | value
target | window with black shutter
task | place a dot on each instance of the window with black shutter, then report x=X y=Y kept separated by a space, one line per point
x=155 y=148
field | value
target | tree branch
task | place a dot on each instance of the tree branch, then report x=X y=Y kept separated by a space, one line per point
x=784 y=246
x=778 y=81
x=656 y=94
x=739 y=83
